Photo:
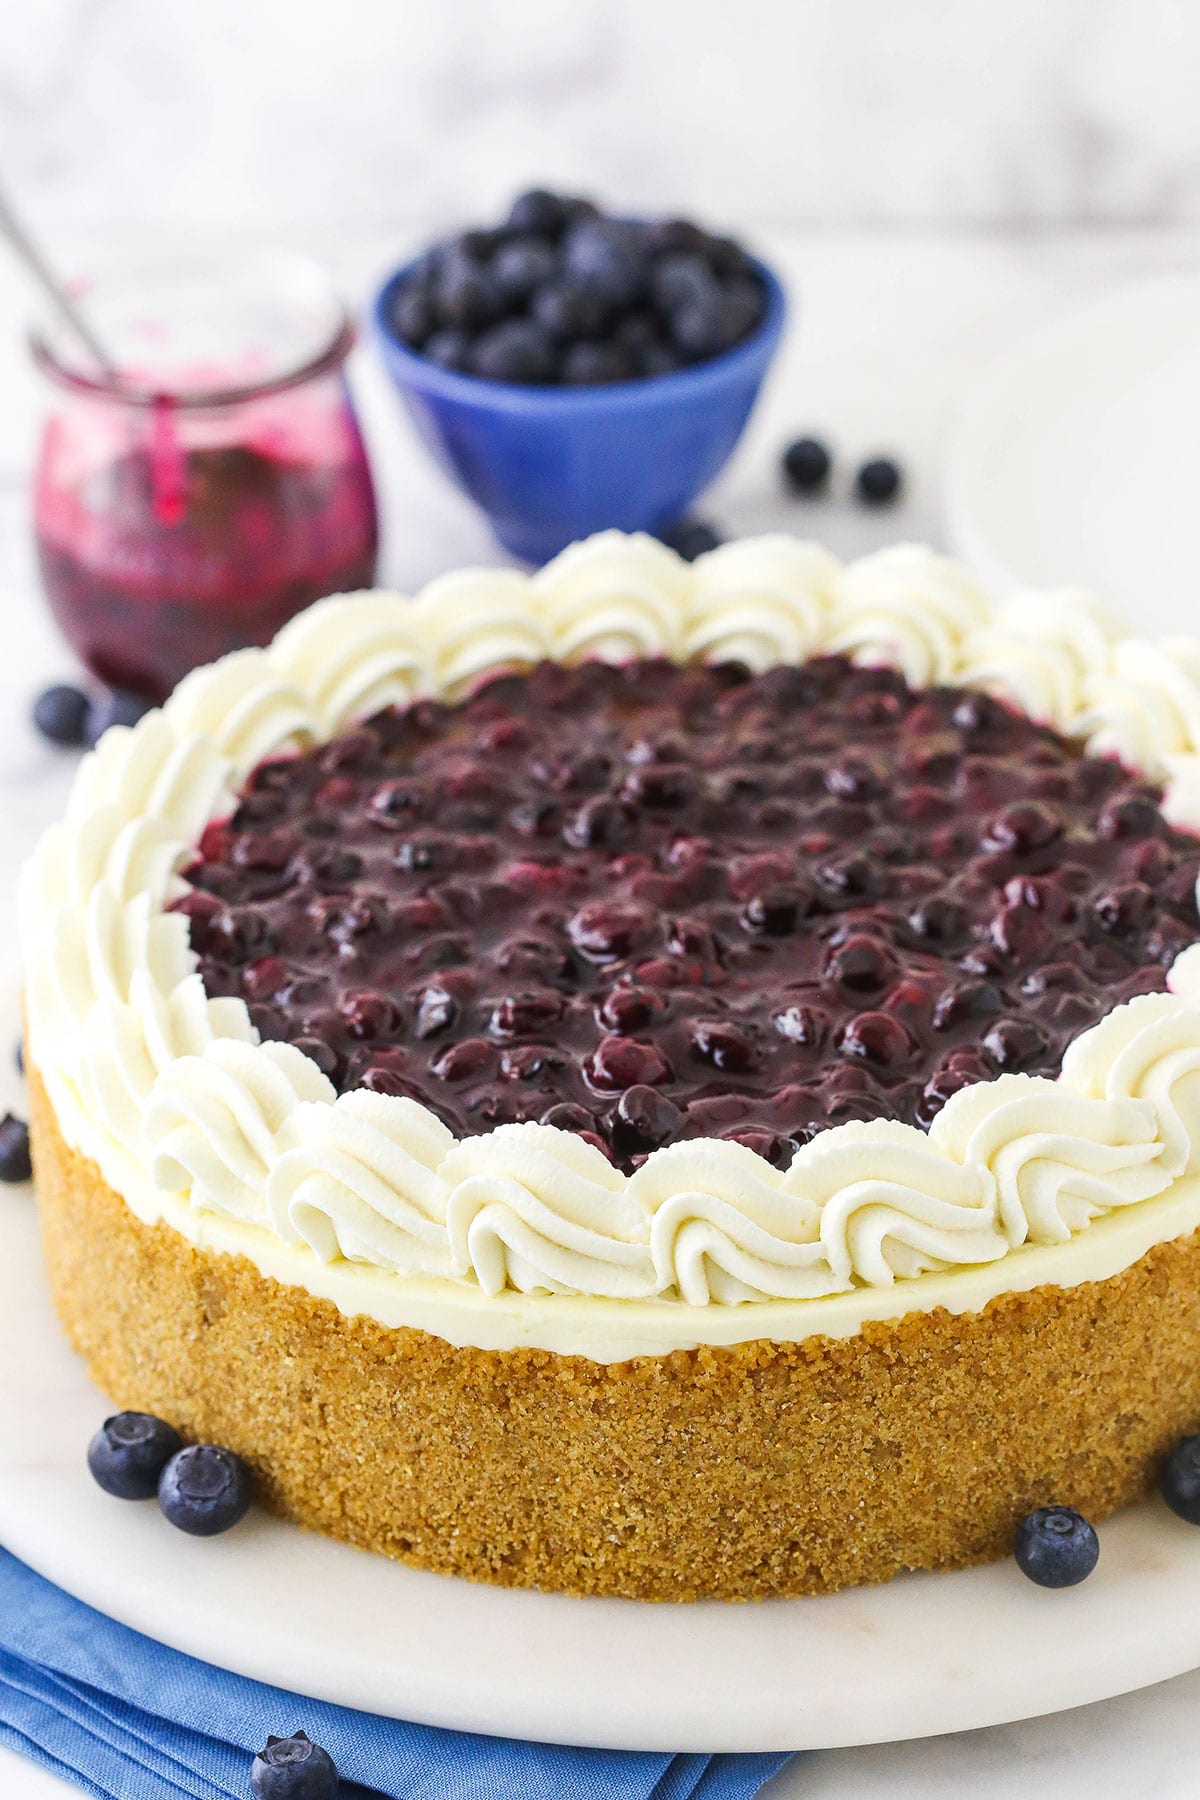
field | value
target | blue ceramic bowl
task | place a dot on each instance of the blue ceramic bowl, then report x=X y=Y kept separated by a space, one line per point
x=549 y=465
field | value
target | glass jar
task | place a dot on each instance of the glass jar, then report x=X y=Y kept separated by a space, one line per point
x=216 y=483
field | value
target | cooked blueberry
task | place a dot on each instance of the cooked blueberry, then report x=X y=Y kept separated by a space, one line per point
x=129 y=1452
x=114 y=707
x=61 y=715
x=1180 y=1480
x=15 y=1164
x=801 y=1025
x=618 y=1063
x=642 y=1120
x=774 y=910
x=521 y=266
x=806 y=465
x=569 y=311
x=1056 y=1547
x=1123 y=911
x=292 y=1768
x=413 y=315
x=878 y=1038
x=540 y=211
x=862 y=965
x=436 y=1012
x=605 y=932
x=878 y=481
x=526 y=1015
x=204 y=1489
x=1015 y=1043
x=518 y=350
x=1021 y=828
x=610 y=257
x=725 y=1045
x=691 y=538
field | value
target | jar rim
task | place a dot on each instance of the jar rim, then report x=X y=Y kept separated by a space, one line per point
x=276 y=268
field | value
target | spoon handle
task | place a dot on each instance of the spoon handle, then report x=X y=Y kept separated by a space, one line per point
x=54 y=289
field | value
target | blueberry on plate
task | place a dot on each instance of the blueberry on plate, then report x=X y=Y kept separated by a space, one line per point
x=204 y=1489
x=878 y=482
x=60 y=714
x=129 y=1452
x=1180 y=1480
x=1056 y=1547
x=691 y=538
x=15 y=1164
x=293 y=1768
x=115 y=706
x=807 y=465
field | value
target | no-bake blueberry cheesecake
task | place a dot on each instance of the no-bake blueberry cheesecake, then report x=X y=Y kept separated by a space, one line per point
x=647 y=1079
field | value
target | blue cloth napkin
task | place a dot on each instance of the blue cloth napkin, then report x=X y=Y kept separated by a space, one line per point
x=127 y=1719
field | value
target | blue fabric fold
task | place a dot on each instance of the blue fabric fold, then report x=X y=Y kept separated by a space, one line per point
x=124 y=1718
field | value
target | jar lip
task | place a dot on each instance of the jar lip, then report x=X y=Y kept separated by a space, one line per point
x=333 y=345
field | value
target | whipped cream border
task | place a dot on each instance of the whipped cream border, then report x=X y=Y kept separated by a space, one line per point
x=173 y=1095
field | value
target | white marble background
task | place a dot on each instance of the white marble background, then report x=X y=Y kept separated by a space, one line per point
x=274 y=113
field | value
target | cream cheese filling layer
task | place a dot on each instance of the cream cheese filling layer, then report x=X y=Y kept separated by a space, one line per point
x=528 y=1234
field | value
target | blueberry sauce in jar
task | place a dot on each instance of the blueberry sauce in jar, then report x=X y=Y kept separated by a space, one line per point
x=650 y=903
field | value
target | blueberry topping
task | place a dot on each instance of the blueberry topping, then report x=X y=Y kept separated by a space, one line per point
x=129 y=1452
x=1180 y=1480
x=691 y=538
x=293 y=1768
x=773 y=902
x=61 y=715
x=204 y=1489
x=807 y=465
x=878 y=481
x=1056 y=1547
x=15 y=1164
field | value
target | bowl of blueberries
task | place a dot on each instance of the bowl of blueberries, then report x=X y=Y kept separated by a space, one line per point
x=573 y=371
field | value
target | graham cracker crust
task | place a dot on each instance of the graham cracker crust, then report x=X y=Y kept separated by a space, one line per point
x=762 y=1469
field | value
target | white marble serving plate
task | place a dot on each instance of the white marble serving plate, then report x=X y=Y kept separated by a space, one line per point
x=1076 y=459
x=924 y=1655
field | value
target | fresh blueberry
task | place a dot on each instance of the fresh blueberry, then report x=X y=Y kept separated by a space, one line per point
x=1056 y=1547
x=568 y=309
x=204 y=1489
x=412 y=315
x=14 y=1150
x=593 y=364
x=450 y=348
x=540 y=211
x=878 y=481
x=691 y=538
x=806 y=465
x=522 y=266
x=518 y=350
x=60 y=714
x=657 y=359
x=114 y=707
x=726 y=256
x=1180 y=1480
x=677 y=280
x=293 y=1768
x=467 y=295
x=610 y=257
x=708 y=325
x=129 y=1452
x=668 y=237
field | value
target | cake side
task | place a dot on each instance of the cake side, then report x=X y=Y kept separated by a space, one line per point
x=672 y=1477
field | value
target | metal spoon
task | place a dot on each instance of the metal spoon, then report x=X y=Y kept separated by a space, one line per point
x=54 y=289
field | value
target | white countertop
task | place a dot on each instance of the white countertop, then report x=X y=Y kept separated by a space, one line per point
x=889 y=330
